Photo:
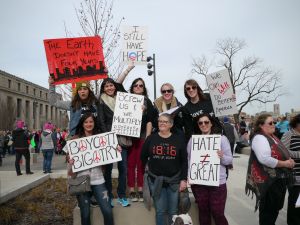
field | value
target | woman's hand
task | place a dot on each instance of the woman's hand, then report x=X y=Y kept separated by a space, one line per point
x=182 y=185
x=131 y=64
x=71 y=162
x=50 y=80
x=119 y=148
x=220 y=154
x=290 y=163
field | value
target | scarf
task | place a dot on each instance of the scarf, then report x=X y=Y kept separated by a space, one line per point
x=260 y=177
x=162 y=105
x=109 y=101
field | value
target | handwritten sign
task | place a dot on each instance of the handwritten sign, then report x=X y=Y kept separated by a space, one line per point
x=128 y=113
x=75 y=59
x=135 y=44
x=92 y=151
x=205 y=164
x=221 y=93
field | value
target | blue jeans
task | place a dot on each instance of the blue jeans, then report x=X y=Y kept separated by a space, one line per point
x=48 y=154
x=122 y=183
x=166 y=204
x=101 y=195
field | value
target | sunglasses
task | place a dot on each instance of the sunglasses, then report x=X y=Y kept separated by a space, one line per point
x=167 y=91
x=203 y=122
x=138 y=85
x=271 y=123
x=189 y=88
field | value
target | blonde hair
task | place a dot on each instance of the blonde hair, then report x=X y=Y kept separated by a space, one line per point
x=167 y=84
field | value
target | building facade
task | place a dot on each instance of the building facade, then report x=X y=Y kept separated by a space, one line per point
x=21 y=99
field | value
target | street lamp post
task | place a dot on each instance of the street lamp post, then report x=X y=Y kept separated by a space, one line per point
x=152 y=72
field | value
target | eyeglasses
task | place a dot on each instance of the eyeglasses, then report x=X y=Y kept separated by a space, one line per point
x=163 y=121
x=189 y=88
x=271 y=123
x=167 y=91
x=203 y=122
x=138 y=85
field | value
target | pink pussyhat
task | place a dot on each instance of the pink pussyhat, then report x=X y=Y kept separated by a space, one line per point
x=48 y=126
x=20 y=124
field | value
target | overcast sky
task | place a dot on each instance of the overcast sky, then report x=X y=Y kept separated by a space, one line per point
x=178 y=31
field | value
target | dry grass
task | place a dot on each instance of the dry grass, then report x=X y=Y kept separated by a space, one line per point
x=48 y=203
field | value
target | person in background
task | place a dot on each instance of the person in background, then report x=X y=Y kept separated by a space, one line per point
x=168 y=101
x=2 y=139
x=211 y=200
x=269 y=170
x=135 y=169
x=165 y=154
x=47 y=145
x=107 y=99
x=243 y=126
x=230 y=132
x=85 y=128
x=21 y=139
x=291 y=141
x=283 y=126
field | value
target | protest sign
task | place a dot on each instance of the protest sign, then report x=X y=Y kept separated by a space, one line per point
x=128 y=113
x=134 y=44
x=204 y=163
x=92 y=151
x=221 y=93
x=72 y=60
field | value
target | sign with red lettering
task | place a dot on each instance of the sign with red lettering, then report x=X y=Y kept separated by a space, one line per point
x=221 y=93
x=75 y=59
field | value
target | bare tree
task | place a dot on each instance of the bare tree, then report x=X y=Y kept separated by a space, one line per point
x=250 y=79
x=96 y=18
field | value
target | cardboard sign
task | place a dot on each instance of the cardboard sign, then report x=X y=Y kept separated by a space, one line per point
x=75 y=59
x=221 y=93
x=204 y=165
x=128 y=114
x=135 y=44
x=92 y=151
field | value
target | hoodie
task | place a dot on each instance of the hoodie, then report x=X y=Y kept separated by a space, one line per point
x=47 y=140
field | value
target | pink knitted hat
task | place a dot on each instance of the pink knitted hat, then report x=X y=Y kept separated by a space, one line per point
x=20 y=124
x=48 y=126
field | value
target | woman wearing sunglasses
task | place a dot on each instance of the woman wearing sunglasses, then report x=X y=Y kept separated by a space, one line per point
x=269 y=170
x=211 y=200
x=134 y=163
x=168 y=101
x=197 y=104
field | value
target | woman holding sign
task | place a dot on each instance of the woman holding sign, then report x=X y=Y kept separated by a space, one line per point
x=166 y=156
x=211 y=200
x=134 y=163
x=85 y=128
x=269 y=170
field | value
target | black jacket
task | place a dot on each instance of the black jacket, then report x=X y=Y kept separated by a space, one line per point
x=20 y=139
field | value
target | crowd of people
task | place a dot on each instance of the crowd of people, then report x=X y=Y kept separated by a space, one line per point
x=163 y=152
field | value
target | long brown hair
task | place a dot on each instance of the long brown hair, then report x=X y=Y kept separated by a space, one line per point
x=193 y=83
x=77 y=102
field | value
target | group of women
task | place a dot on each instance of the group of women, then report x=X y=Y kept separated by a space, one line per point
x=163 y=148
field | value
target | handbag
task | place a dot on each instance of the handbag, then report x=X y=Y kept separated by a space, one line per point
x=79 y=185
x=124 y=141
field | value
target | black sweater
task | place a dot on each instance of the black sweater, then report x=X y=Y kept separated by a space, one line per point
x=165 y=156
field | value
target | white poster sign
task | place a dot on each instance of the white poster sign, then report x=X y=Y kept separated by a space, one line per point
x=135 y=44
x=128 y=113
x=92 y=151
x=204 y=165
x=221 y=93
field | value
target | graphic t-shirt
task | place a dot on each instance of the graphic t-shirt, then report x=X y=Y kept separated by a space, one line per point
x=165 y=156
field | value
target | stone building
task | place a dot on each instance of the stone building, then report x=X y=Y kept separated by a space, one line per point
x=21 y=99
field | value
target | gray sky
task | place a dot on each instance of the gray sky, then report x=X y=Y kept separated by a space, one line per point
x=178 y=31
